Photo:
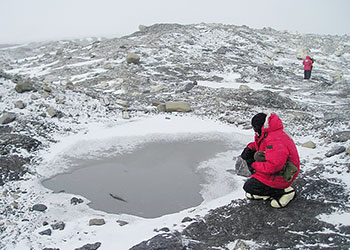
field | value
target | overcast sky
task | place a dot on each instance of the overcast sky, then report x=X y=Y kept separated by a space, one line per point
x=37 y=20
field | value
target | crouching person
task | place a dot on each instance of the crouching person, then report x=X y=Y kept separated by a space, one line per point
x=273 y=160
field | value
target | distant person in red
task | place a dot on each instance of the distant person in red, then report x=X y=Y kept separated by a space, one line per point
x=307 y=67
x=273 y=160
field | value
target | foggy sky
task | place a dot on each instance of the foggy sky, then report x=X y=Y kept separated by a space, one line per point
x=37 y=20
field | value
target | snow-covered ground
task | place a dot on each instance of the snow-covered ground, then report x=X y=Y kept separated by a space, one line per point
x=94 y=124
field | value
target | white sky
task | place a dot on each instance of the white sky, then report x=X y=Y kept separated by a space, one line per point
x=34 y=20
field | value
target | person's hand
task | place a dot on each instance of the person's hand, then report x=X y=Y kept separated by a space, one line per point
x=259 y=156
x=247 y=153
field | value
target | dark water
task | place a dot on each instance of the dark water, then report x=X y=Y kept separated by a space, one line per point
x=156 y=179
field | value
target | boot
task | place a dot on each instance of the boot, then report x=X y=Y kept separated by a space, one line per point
x=289 y=194
x=256 y=197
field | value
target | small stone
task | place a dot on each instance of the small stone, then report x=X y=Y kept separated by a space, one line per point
x=47 y=88
x=186 y=219
x=75 y=201
x=46 y=232
x=52 y=112
x=20 y=105
x=58 y=226
x=122 y=223
x=97 y=222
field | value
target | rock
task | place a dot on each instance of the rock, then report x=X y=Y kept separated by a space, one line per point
x=125 y=115
x=186 y=88
x=58 y=226
x=12 y=168
x=132 y=58
x=302 y=52
x=177 y=107
x=20 y=105
x=142 y=28
x=49 y=248
x=340 y=51
x=97 y=222
x=309 y=144
x=337 y=77
x=108 y=66
x=59 y=52
x=18 y=141
x=46 y=232
x=93 y=246
x=75 y=201
x=24 y=86
x=47 y=88
x=34 y=97
x=161 y=107
x=186 y=219
x=7 y=117
x=342 y=136
x=122 y=223
x=335 y=151
x=331 y=116
x=158 y=88
x=69 y=85
x=348 y=151
x=241 y=167
x=244 y=87
x=52 y=112
x=39 y=207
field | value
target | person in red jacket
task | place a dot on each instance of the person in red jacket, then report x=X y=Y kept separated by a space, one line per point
x=307 y=67
x=266 y=157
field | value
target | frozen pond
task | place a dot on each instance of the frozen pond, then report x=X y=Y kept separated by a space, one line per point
x=153 y=179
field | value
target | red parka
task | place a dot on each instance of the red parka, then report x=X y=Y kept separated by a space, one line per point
x=307 y=63
x=278 y=148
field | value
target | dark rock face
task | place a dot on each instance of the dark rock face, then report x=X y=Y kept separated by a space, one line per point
x=12 y=168
x=271 y=228
x=8 y=141
x=90 y=246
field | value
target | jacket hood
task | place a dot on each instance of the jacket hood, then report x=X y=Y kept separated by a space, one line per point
x=272 y=123
x=309 y=58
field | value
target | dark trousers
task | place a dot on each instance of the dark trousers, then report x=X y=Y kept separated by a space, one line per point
x=254 y=186
x=307 y=74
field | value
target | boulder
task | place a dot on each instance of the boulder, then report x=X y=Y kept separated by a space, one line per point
x=7 y=117
x=39 y=207
x=177 y=107
x=309 y=144
x=241 y=167
x=24 y=86
x=97 y=222
x=335 y=151
x=132 y=58
x=341 y=136
x=142 y=28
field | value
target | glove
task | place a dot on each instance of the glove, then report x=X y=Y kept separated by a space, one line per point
x=259 y=156
x=247 y=153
